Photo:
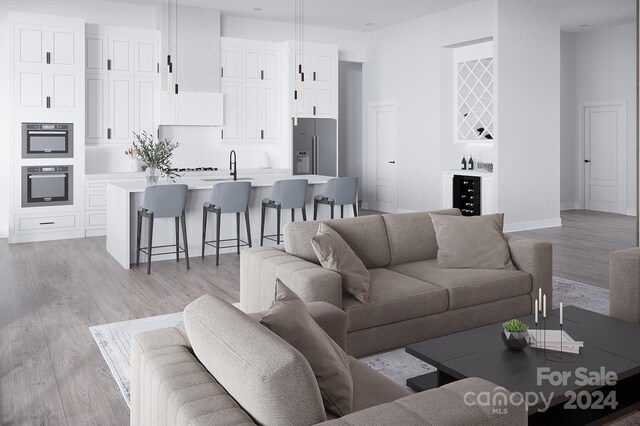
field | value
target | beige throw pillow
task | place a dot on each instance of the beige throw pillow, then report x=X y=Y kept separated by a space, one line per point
x=288 y=318
x=471 y=242
x=334 y=253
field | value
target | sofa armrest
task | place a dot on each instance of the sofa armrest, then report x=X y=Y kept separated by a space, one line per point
x=259 y=268
x=624 y=286
x=536 y=258
x=170 y=386
x=454 y=404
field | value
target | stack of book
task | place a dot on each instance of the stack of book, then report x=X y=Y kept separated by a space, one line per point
x=554 y=340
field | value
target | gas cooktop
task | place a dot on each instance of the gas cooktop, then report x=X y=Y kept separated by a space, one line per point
x=195 y=169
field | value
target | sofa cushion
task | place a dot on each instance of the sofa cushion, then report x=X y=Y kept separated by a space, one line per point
x=411 y=235
x=335 y=254
x=393 y=297
x=469 y=287
x=366 y=235
x=262 y=372
x=289 y=319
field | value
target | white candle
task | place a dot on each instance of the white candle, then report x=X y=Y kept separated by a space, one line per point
x=561 y=313
x=536 y=311
x=540 y=295
x=544 y=306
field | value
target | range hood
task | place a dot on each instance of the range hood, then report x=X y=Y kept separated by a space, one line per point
x=195 y=49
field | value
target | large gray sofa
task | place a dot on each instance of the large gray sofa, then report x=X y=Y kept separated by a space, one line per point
x=230 y=370
x=624 y=285
x=410 y=298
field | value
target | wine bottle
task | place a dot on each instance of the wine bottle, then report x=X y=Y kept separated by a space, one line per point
x=464 y=163
x=470 y=163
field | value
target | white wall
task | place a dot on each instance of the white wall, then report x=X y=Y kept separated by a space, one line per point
x=99 y=12
x=527 y=48
x=569 y=107
x=352 y=44
x=600 y=67
x=350 y=120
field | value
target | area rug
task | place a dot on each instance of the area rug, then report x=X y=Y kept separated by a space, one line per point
x=114 y=340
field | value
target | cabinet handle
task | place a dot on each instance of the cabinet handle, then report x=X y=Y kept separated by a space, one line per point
x=314 y=110
x=48 y=101
x=47 y=223
x=108 y=64
x=314 y=76
x=109 y=133
x=158 y=67
x=48 y=57
x=221 y=71
x=261 y=74
x=261 y=134
x=222 y=134
x=392 y=162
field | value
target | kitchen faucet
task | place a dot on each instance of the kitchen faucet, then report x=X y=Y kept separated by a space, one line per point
x=232 y=165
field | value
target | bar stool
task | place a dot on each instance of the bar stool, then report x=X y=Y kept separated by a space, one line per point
x=338 y=191
x=161 y=201
x=285 y=194
x=227 y=197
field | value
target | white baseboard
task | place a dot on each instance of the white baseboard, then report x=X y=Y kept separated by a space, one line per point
x=569 y=206
x=631 y=212
x=534 y=224
x=406 y=211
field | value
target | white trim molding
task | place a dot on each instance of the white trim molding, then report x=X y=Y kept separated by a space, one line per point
x=534 y=224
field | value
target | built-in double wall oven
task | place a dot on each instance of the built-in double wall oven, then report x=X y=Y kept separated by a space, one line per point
x=47 y=140
x=47 y=186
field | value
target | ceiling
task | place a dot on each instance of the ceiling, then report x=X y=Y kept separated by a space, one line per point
x=356 y=14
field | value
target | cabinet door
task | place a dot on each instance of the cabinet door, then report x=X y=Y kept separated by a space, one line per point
x=231 y=60
x=270 y=67
x=251 y=65
x=63 y=90
x=251 y=113
x=30 y=45
x=324 y=102
x=324 y=67
x=231 y=92
x=270 y=113
x=121 y=55
x=306 y=102
x=121 y=117
x=97 y=52
x=64 y=48
x=146 y=57
x=97 y=108
x=146 y=105
x=30 y=89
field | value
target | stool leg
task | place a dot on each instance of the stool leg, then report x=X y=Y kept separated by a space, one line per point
x=293 y=215
x=218 y=217
x=304 y=213
x=138 y=236
x=332 y=204
x=204 y=229
x=238 y=233
x=184 y=238
x=355 y=210
x=177 y=239
x=278 y=211
x=262 y=227
x=315 y=209
x=342 y=211
x=246 y=219
x=150 y=243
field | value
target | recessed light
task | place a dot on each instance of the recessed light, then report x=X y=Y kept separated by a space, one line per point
x=369 y=24
x=257 y=9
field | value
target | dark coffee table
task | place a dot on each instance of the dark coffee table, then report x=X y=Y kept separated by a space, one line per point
x=611 y=346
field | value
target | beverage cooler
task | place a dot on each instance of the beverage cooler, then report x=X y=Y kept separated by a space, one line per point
x=466 y=194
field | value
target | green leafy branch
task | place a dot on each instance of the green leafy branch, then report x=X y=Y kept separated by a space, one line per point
x=156 y=154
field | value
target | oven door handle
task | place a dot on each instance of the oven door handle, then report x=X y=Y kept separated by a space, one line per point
x=46 y=176
x=46 y=132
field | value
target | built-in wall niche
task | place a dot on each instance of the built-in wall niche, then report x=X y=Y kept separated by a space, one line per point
x=474 y=93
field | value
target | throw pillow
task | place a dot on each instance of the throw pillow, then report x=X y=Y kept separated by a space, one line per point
x=471 y=242
x=334 y=253
x=288 y=318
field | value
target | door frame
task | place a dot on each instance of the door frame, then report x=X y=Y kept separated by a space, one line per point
x=622 y=163
x=373 y=107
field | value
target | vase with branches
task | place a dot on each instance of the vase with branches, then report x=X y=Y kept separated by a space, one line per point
x=156 y=154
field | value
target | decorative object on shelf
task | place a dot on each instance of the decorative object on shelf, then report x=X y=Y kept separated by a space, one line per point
x=515 y=335
x=132 y=153
x=156 y=155
x=470 y=163
x=298 y=91
x=485 y=166
x=464 y=163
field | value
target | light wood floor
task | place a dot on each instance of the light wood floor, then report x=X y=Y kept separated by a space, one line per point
x=582 y=245
x=51 y=371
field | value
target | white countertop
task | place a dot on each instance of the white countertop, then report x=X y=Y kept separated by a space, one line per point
x=195 y=183
x=222 y=172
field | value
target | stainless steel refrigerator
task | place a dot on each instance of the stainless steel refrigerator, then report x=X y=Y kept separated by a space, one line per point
x=315 y=148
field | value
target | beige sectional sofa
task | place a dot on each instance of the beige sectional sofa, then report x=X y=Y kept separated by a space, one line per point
x=410 y=298
x=230 y=370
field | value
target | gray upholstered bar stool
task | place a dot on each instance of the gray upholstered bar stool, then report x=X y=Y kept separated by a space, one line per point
x=338 y=191
x=161 y=201
x=227 y=197
x=285 y=194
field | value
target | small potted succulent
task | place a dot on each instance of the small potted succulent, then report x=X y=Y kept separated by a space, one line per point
x=156 y=154
x=515 y=335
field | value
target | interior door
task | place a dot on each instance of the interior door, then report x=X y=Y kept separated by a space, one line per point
x=384 y=140
x=605 y=158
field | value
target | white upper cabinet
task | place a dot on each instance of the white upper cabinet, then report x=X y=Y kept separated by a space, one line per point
x=318 y=93
x=251 y=65
x=231 y=63
x=146 y=59
x=97 y=52
x=30 y=46
x=120 y=59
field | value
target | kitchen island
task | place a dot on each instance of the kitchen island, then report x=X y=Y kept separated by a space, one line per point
x=124 y=199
